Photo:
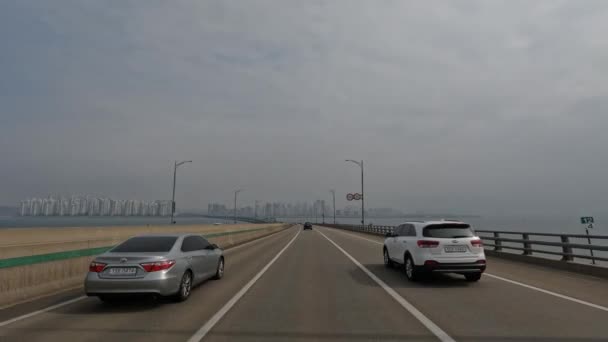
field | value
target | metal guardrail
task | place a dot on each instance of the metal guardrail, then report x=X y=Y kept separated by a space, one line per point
x=496 y=239
x=527 y=244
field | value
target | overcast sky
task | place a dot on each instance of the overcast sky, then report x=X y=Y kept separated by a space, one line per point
x=488 y=107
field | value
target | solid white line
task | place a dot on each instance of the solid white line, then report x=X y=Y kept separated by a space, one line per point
x=555 y=294
x=200 y=334
x=434 y=328
x=233 y=248
x=52 y=307
x=548 y=292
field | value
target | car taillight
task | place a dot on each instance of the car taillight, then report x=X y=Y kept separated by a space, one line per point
x=96 y=267
x=427 y=244
x=158 y=266
x=482 y=262
x=431 y=263
x=476 y=243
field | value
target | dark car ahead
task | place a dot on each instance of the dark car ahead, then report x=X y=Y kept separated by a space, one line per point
x=308 y=225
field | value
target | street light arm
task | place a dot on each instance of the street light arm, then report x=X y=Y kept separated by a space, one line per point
x=183 y=162
x=354 y=161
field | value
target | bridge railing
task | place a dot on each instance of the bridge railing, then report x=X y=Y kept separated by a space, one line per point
x=528 y=243
x=564 y=245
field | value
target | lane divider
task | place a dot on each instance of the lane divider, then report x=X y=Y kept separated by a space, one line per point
x=204 y=330
x=52 y=307
x=572 y=299
x=551 y=293
x=74 y=300
x=434 y=328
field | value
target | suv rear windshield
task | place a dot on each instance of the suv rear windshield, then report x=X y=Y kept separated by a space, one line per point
x=448 y=231
x=146 y=244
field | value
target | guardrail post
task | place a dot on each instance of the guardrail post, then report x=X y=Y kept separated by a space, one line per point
x=527 y=245
x=567 y=250
x=497 y=243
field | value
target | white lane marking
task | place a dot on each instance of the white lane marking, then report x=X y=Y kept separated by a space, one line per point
x=74 y=300
x=52 y=307
x=202 y=332
x=548 y=292
x=434 y=328
x=233 y=248
x=555 y=294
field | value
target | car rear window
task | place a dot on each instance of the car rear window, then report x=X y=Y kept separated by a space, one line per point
x=448 y=231
x=146 y=244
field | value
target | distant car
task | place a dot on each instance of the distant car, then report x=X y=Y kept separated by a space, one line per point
x=435 y=247
x=307 y=225
x=163 y=265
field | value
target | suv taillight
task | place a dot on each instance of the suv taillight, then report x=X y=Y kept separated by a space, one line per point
x=158 y=266
x=96 y=267
x=427 y=243
x=476 y=243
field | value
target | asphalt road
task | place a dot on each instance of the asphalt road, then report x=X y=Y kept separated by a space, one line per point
x=330 y=285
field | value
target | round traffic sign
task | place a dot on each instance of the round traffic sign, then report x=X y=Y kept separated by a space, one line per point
x=357 y=197
x=349 y=197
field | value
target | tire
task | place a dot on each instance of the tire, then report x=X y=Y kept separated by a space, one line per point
x=409 y=267
x=185 y=287
x=108 y=299
x=219 y=272
x=387 y=259
x=473 y=276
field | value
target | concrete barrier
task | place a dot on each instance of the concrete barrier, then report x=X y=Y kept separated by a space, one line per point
x=42 y=274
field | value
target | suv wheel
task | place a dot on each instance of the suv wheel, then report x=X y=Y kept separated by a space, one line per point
x=410 y=269
x=473 y=276
x=387 y=259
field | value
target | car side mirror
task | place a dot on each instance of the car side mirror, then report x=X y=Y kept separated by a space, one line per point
x=389 y=234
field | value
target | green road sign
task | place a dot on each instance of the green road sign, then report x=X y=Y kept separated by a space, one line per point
x=587 y=220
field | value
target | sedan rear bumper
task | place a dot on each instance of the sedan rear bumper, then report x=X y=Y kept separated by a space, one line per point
x=163 y=284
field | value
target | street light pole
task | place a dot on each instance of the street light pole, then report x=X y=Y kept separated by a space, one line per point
x=175 y=165
x=360 y=163
x=235 y=193
x=333 y=194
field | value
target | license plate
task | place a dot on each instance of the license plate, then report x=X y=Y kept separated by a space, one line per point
x=455 y=249
x=123 y=271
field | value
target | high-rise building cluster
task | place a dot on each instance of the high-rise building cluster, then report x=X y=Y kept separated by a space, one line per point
x=92 y=206
x=274 y=209
x=317 y=208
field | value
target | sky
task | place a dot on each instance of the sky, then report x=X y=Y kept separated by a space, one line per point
x=482 y=107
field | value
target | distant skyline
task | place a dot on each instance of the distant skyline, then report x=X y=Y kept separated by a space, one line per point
x=480 y=107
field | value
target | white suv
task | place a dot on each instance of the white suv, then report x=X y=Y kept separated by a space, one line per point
x=435 y=246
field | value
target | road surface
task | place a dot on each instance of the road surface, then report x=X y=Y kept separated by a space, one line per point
x=331 y=285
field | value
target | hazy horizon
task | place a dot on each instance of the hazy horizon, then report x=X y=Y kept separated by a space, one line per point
x=472 y=107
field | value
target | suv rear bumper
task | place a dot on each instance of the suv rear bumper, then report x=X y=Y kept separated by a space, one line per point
x=471 y=267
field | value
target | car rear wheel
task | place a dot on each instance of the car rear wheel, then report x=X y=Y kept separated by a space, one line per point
x=473 y=276
x=185 y=287
x=108 y=299
x=219 y=273
x=387 y=259
x=410 y=269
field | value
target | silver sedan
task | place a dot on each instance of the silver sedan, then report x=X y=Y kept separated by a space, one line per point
x=164 y=265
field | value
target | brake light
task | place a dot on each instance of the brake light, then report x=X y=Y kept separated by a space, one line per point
x=158 y=266
x=96 y=267
x=431 y=263
x=427 y=243
x=476 y=243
